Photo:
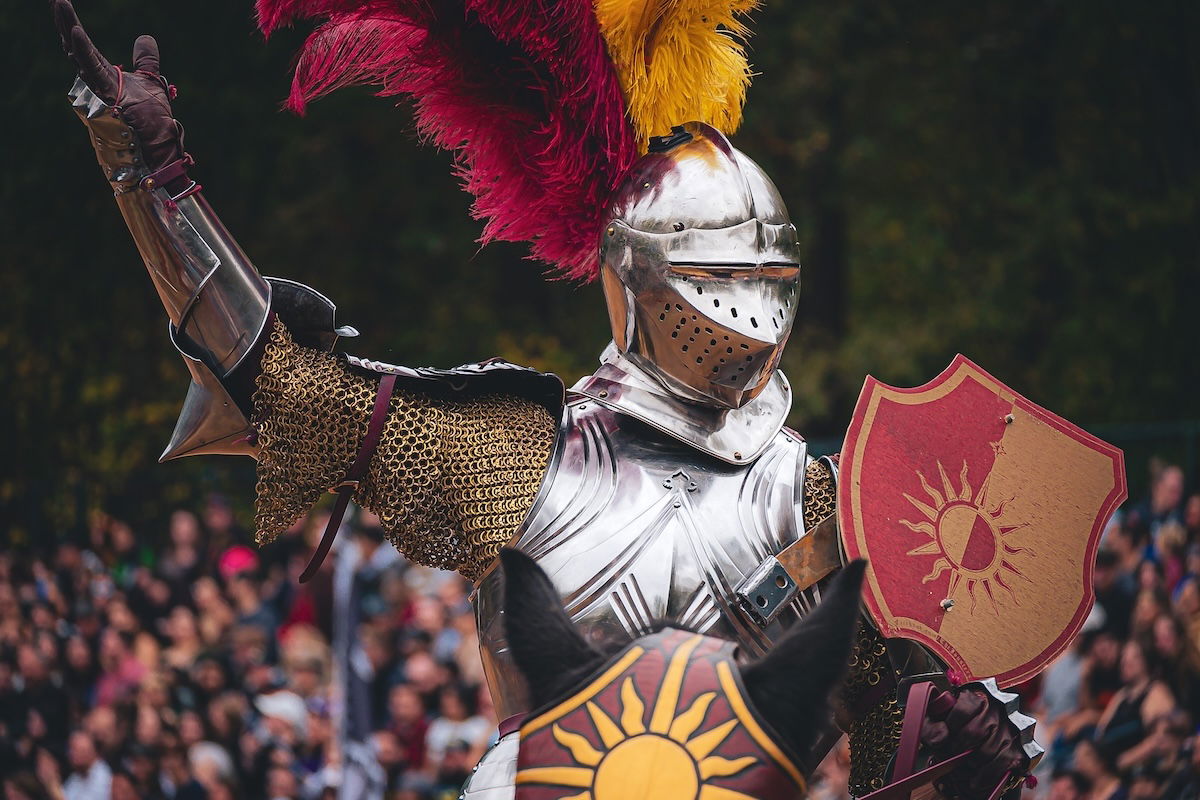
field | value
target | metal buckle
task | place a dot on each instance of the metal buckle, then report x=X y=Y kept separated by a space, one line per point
x=765 y=591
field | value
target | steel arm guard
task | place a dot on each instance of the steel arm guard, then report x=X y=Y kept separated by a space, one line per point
x=217 y=302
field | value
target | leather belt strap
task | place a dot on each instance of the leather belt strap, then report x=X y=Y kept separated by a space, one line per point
x=165 y=174
x=810 y=558
x=778 y=579
x=919 y=695
x=345 y=489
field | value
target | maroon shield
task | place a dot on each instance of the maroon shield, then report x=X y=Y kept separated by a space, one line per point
x=980 y=514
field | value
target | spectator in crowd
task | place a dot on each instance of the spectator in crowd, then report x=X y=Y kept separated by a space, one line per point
x=1099 y=772
x=90 y=778
x=1114 y=591
x=1142 y=699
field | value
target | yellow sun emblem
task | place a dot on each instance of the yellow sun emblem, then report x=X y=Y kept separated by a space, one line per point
x=967 y=536
x=667 y=757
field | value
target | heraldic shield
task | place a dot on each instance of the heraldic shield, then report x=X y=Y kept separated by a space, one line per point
x=980 y=514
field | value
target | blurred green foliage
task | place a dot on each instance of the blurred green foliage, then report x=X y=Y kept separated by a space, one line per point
x=1017 y=181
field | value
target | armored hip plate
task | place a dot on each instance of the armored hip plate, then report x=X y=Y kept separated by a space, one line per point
x=635 y=527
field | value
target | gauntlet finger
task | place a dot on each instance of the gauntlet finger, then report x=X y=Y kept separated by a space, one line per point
x=934 y=734
x=145 y=55
x=94 y=68
x=940 y=705
x=65 y=19
x=968 y=707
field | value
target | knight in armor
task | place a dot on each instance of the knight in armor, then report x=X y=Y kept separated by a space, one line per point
x=653 y=489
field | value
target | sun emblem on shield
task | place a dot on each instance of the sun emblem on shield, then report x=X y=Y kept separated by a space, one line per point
x=967 y=536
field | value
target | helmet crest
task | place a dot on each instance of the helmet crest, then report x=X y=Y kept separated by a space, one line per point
x=543 y=104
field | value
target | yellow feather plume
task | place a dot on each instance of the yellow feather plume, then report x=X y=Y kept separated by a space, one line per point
x=678 y=61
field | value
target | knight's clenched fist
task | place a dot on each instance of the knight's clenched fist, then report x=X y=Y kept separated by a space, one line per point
x=142 y=97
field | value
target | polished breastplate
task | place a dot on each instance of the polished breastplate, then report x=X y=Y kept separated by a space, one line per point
x=633 y=527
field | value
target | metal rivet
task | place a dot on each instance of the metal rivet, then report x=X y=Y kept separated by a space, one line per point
x=646 y=185
x=737 y=455
x=611 y=230
x=947 y=604
x=677 y=504
x=1008 y=419
x=603 y=393
x=149 y=182
x=678 y=226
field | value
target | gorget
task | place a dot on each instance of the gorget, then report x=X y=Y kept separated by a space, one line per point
x=635 y=523
x=735 y=435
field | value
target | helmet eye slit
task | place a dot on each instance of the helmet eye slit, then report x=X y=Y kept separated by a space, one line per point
x=772 y=269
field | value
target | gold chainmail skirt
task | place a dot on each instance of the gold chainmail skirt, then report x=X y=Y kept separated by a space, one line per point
x=875 y=731
x=451 y=479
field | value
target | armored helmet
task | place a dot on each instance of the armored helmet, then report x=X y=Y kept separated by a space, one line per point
x=700 y=266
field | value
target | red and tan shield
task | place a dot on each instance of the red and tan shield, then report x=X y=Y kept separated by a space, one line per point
x=980 y=514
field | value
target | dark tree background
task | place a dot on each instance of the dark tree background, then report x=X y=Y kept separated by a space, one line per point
x=1017 y=181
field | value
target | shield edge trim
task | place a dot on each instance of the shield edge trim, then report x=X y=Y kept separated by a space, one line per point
x=849 y=501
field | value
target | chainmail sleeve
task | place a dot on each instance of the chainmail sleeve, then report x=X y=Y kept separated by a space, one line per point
x=453 y=476
x=875 y=716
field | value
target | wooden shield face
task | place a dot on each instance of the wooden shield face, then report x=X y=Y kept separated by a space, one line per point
x=980 y=514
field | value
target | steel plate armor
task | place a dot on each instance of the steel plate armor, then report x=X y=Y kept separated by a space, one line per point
x=635 y=526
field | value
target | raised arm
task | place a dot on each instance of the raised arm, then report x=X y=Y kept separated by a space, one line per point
x=217 y=303
x=458 y=456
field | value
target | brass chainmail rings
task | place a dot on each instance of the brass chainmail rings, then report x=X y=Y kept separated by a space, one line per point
x=451 y=479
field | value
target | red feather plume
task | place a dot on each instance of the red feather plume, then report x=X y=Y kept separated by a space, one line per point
x=522 y=92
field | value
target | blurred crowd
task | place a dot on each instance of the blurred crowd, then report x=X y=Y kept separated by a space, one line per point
x=1119 y=712
x=191 y=664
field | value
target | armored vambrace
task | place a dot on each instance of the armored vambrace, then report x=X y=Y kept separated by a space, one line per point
x=217 y=302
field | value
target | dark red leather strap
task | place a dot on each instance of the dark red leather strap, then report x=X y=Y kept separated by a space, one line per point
x=904 y=779
x=345 y=489
x=919 y=695
x=512 y=724
x=903 y=788
x=167 y=173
